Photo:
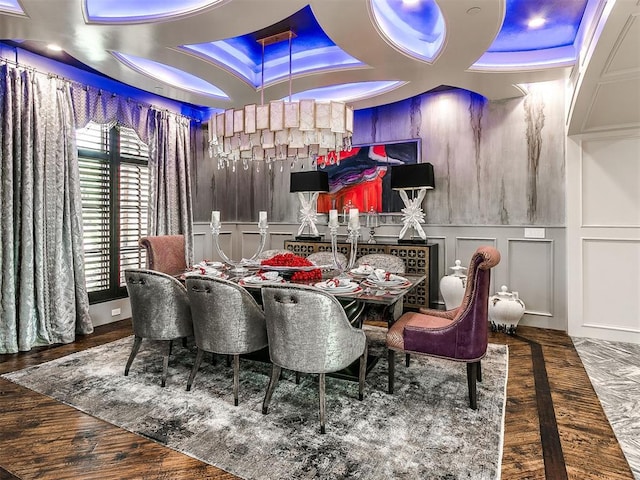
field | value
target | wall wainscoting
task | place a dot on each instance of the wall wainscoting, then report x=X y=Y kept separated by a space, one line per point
x=534 y=267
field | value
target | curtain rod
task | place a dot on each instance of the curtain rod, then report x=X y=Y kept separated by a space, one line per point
x=85 y=86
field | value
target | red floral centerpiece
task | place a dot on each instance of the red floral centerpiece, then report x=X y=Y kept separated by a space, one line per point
x=292 y=260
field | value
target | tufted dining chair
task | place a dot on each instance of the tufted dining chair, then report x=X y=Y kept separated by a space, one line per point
x=393 y=264
x=460 y=334
x=265 y=254
x=309 y=332
x=226 y=320
x=326 y=258
x=165 y=253
x=159 y=311
x=390 y=263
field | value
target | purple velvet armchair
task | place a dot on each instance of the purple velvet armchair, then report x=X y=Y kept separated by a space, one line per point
x=165 y=253
x=460 y=334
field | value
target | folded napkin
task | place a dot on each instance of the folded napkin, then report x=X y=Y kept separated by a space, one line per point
x=381 y=275
x=338 y=282
x=363 y=269
x=263 y=277
x=203 y=269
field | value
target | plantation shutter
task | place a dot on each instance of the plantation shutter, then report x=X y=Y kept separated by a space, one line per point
x=134 y=200
x=114 y=185
x=94 y=166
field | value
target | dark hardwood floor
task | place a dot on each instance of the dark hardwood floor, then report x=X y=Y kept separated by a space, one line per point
x=554 y=425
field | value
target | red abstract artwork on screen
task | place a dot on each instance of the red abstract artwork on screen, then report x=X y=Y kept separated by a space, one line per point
x=361 y=176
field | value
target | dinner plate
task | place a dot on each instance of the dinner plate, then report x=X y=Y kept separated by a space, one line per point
x=357 y=275
x=389 y=283
x=215 y=264
x=211 y=273
x=360 y=273
x=352 y=287
x=252 y=281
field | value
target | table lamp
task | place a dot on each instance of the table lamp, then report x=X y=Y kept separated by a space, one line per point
x=311 y=184
x=412 y=183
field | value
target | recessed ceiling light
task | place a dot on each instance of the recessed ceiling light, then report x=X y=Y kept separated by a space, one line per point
x=474 y=11
x=536 y=22
x=54 y=47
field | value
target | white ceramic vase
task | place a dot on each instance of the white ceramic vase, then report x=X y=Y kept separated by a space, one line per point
x=505 y=311
x=452 y=286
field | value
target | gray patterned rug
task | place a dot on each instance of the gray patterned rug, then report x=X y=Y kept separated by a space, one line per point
x=425 y=430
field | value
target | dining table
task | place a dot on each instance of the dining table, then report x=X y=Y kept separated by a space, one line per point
x=353 y=302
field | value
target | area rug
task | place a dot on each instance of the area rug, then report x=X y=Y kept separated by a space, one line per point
x=425 y=430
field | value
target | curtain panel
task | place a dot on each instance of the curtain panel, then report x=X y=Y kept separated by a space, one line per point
x=43 y=298
x=170 y=208
x=169 y=140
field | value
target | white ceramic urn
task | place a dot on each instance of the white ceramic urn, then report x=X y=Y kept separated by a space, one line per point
x=452 y=286
x=505 y=311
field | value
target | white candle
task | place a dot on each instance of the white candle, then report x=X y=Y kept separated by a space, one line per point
x=215 y=218
x=262 y=220
x=354 y=222
x=333 y=218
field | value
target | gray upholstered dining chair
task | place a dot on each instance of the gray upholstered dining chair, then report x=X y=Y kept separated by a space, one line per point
x=309 y=332
x=392 y=264
x=159 y=311
x=165 y=253
x=326 y=258
x=226 y=320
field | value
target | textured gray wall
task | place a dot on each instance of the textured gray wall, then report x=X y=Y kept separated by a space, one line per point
x=496 y=163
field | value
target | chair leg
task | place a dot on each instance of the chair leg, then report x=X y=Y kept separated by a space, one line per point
x=165 y=364
x=228 y=360
x=322 y=402
x=297 y=378
x=134 y=351
x=479 y=377
x=275 y=376
x=184 y=342
x=392 y=368
x=407 y=359
x=236 y=380
x=194 y=370
x=363 y=372
x=472 y=375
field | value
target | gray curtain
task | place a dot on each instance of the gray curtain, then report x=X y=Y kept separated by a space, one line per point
x=170 y=208
x=169 y=139
x=43 y=298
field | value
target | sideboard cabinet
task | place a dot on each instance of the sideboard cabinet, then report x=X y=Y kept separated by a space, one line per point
x=418 y=259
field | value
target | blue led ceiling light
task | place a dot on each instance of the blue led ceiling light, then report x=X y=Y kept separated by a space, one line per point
x=416 y=28
x=11 y=6
x=312 y=51
x=348 y=92
x=128 y=11
x=550 y=42
x=171 y=76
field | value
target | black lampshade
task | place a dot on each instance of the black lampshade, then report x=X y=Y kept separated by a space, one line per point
x=418 y=175
x=315 y=181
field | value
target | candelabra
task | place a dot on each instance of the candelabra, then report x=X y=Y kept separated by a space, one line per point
x=353 y=232
x=372 y=224
x=238 y=267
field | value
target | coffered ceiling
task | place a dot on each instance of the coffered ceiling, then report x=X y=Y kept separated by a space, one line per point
x=364 y=52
